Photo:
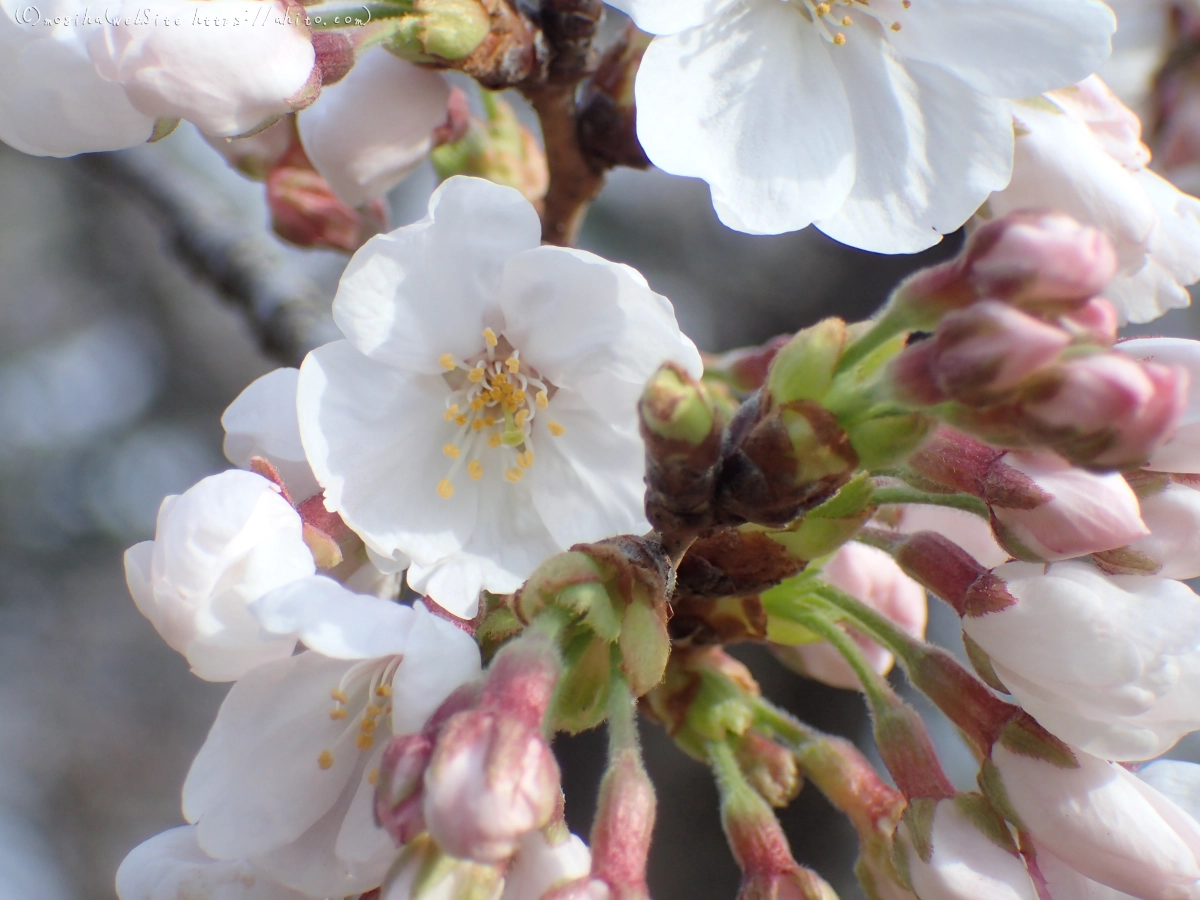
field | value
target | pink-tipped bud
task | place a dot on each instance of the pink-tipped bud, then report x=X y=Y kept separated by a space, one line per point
x=1040 y=260
x=1115 y=411
x=1096 y=322
x=306 y=211
x=1045 y=509
x=623 y=828
x=399 y=795
x=989 y=348
x=335 y=55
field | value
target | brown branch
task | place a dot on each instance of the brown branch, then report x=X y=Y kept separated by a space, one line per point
x=288 y=313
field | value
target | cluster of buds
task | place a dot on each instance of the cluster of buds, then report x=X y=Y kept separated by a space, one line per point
x=1020 y=353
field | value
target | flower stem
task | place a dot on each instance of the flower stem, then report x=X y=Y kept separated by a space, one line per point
x=904 y=494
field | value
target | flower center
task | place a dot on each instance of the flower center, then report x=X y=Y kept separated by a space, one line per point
x=363 y=698
x=496 y=399
x=829 y=17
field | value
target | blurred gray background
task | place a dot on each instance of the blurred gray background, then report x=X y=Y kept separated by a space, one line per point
x=115 y=365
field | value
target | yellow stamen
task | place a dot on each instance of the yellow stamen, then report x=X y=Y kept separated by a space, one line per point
x=337 y=713
x=477 y=404
x=448 y=363
x=514 y=364
x=372 y=710
x=477 y=425
x=514 y=475
x=475 y=469
x=475 y=375
x=518 y=396
x=367 y=726
x=451 y=451
x=895 y=26
x=339 y=695
x=847 y=21
x=556 y=429
x=542 y=399
x=325 y=760
x=373 y=777
x=493 y=440
x=384 y=690
x=522 y=415
x=839 y=39
x=451 y=412
x=445 y=488
x=489 y=421
x=460 y=419
x=365 y=742
x=525 y=460
x=822 y=9
x=489 y=337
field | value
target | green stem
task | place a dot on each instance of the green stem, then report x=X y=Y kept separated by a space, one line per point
x=622 y=717
x=886 y=327
x=904 y=494
x=876 y=625
x=364 y=13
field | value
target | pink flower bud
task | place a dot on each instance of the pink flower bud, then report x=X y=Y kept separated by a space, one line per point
x=965 y=529
x=1181 y=453
x=1053 y=510
x=399 y=795
x=1173 y=517
x=1039 y=259
x=305 y=210
x=1105 y=823
x=1095 y=322
x=1114 y=411
x=873 y=577
x=957 y=860
x=989 y=348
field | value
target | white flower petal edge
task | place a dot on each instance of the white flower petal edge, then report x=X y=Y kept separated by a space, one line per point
x=218 y=547
x=262 y=421
x=1182 y=452
x=53 y=102
x=284 y=778
x=171 y=866
x=362 y=153
x=481 y=416
x=887 y=128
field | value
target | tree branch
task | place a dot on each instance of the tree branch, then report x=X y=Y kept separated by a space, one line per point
x=287 y=312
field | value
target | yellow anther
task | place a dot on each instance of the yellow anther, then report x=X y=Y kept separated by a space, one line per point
x=475 y=469
x=477 y=404
x=556 y=429
x=839 y=39
x=489 y=421
x=822 y=9
x=847 y=21
x=477 y=425
x=514 y=364
x=372 y=710
x=500 y=379
x=489 y=337
x=525 y=460
x=522 y=415
x=337 y=713
x=325 y=760
x=445 y=488
x=895 y=26
x=451 y=412
x=493 y=440
x=451 y=451
x=460 y=419
x=514 y=475
x=519 y=396
x=368 y=726
x=448 y=363
x=475 y=375
x=339 y=695
x=542 y=399
x=384 y=690
x=365 y=742
x=373 y=777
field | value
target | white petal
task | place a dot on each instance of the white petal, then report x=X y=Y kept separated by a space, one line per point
x=423 y=290
x=171 y=866
x=52 y=101
x=361 y=153
x=256 y=784
x=588 y=483
x=336 y=622
x=361 y=843
x=670 y=16
x=261 y=421
x=929 y=150
x=440 y=658
x=751 y=103
x=574 y=315
x=374 y=436
x=1009 y=48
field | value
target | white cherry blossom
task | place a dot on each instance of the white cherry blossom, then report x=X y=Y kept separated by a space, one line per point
x=1079 y=150
x=481 y=414
x=218 y=547
x=52 y=100
x=229 y=67
x=1110 y=664
x=884 y=123
x=171 y=866
x=286 y=777
x=361 y=153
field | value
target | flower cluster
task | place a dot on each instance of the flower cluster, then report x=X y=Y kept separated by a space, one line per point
x=514 y=499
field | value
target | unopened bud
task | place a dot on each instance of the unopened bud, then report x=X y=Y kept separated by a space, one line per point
x=770 y=768
x=498 y=148
x=706 y=696
x=256 y=155
x=399 y=796
x=803 y=368
x=745 y=369
x=623 y=829
x=542 y=865
x=1039 y=260
x=440 y=29
x=424 y=872
x=1096 y=322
